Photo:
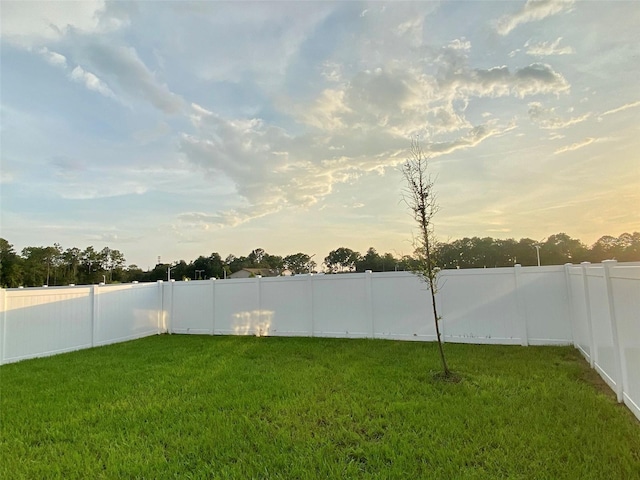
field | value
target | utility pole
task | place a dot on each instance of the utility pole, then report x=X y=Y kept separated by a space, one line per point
x=537 y=247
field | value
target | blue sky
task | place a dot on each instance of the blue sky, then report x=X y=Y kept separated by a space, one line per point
x=183 y=128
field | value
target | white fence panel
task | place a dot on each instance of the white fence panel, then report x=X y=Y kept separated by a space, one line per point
x=45 y=321
x=580 y=324
x=480 y=306
x=625 y=282
x=401 y=307
x=287 y=305
x=604 y=359
x=124 y=312
x=192 y=307
x=237 y=308
x=340 y=306
x=543 y=291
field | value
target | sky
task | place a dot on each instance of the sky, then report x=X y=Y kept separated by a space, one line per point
x=178 y=129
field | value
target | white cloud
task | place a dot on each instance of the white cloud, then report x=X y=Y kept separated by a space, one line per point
x=621 y=108
x=544 y=49
x=332 y=71
x=547 y=118
x=533 y=79
x=53 y=58
x=90 y=81
x=124 y=68
x=474 y=137
x=28 y=23
x=575 y=146
x=532 y=11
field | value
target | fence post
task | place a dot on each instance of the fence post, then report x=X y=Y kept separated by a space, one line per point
x=94 y=313
x=567 y=281
x=3 y=320
x=618 y=354
x=310 y=298
x=258 y=332
x=368 y=274
x=161 y=317
x=522 y=306
x=168 y=306
x=587 y=299
x=213 y=305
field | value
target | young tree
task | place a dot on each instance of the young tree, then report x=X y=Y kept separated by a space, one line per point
x=420 y=197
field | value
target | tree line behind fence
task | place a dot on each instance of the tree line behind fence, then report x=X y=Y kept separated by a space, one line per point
x=53 y=265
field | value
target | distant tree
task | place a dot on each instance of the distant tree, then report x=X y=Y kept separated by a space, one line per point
x=133 y=273
x=10 y=268
x=35 y=266
x=407 y=263
x=208 y=267
x=560 y=248
x=630 y=244
x=159 y=272
x=273 y=262
x=525 y=252
x=341 y=259
x=236 y=264
x=298 y=263
x=111 y=261
x=369 y=261
x=91 y=271
x=256 y=257
x=181 y=271
x=71 y=261
x=389 y=262
x=420 y=198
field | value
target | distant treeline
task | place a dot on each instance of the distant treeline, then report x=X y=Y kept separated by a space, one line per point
x=37 y=266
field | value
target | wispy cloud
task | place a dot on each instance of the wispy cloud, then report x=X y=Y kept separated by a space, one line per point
x=548 y=119
x=90 y=81
x=545 y=49
x=532 y=11
x=473 y=138
x=621 y=108
x=575 y=146
x=53 y=58
x=124 y=68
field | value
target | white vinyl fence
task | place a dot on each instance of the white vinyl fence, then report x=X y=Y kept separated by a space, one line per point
x=37 y=322
x=605 y=317
x=519 y=306
x=594 y=307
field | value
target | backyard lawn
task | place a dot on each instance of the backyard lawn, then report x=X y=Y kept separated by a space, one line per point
x=245 y=407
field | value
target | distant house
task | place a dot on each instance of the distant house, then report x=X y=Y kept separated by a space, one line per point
x=254 y=272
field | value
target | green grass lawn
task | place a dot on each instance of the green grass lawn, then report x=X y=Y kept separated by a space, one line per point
x=247 y=407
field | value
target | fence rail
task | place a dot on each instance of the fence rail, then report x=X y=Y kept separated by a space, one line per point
x=594 y=307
